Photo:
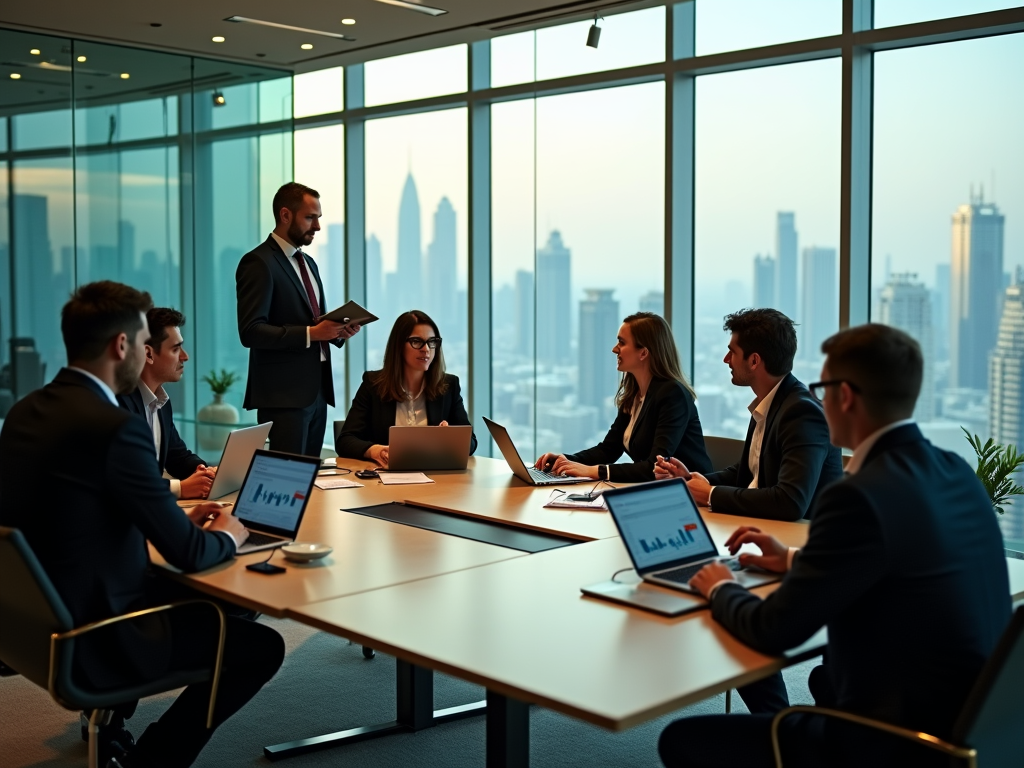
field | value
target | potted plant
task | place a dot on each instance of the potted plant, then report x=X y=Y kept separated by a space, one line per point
x=209 y=433
x=997 y=464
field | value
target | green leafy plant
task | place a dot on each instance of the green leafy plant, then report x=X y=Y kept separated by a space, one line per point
x=997 y=465
x=221 y=382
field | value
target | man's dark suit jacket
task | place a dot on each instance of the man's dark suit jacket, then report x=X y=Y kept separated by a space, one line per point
x=668 y=425
x=174 y=455
x=273 y=314
x=370 y=418
x=88 y=519
x=904 y=564
x=797 y=461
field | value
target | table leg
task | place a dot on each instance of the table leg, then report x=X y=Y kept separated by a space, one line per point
x=508 y=732
x=415 y=705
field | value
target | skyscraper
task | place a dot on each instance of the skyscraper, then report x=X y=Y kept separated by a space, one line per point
x=819 y=317
x=554 y=294
x=332 y=268
x=524 y=312
x=940 y=312
x=441 y=270
x=976 y=280
x=785 y=264
x=905 y=303
x=374 y=277
x=410 y=250
x=653 y=301
x=599 y=325
x=1006 y=389
x=764 y=281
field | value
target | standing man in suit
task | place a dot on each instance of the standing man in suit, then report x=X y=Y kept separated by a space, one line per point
x=165 y=363
x=904 y=564
x=90 y=527
x=280 y=302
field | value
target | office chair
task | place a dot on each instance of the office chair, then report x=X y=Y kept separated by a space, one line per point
x=723 y=451
x=987 y=733
x=39 y=636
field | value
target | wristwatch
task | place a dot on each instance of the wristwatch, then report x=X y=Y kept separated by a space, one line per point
x=602 y=471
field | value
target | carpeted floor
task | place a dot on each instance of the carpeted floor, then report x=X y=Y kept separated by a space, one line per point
x=326 y=685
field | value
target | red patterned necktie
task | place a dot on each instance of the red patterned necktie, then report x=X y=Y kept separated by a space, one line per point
x=314 y=306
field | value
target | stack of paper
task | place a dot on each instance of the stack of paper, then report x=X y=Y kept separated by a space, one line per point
x=403 y=478
x=329 y=482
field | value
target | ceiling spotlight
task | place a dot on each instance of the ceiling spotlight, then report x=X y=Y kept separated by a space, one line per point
x=594 y=35
x=348 y=22
x=217 y=39
x=125 y=75
x=35 y=51
x=218 y=99
x=306 y=46
x=81 y=59
x=15 y=76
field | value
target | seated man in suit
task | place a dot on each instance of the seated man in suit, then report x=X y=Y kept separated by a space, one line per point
x=903 y=564
x=165 y=363
x=88 y=522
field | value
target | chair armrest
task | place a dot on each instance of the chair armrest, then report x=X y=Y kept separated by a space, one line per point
x=924 y=739
x=56 y=638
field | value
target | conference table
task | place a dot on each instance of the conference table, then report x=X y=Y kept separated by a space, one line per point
x=510 y=621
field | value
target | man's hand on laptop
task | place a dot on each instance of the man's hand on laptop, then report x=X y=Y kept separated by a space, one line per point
x=198 y=485
x=710 y=575
x=201 y=514
x=774 y=554
x=227 y=523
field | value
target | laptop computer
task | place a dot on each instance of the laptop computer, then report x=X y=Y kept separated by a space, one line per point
x=425 y=448
x=234 y=461
x=527 y=474
x=273 y=498
x=666 y=537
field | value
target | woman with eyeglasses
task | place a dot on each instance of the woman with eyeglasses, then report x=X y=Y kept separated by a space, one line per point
x=411 y=390
x=657 y=411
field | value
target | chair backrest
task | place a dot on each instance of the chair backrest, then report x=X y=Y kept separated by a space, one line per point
x=30 y=609
x=723 y=451
x=338 y=426
x=990 y=721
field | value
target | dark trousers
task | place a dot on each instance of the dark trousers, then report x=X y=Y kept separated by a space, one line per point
x=252 y=655
x=297 y=430
x=766 y=696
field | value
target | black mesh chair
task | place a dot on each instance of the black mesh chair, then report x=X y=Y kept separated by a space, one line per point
x=38 y=641
x=988 y=732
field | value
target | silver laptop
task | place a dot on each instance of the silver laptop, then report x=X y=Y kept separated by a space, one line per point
x=527 y=474
x=425 y=448
x=667 y=538
x=234 y=461
x=273 y=498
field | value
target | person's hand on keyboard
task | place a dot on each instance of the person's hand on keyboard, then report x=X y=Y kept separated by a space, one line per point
x=563 y=466
x=774 y=554
x=546 y=462
x=229 y=524
x=200 y=514
x=709 y=575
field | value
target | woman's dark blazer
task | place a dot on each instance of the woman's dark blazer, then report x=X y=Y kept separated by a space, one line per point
x=370 y=418
x=667 y=426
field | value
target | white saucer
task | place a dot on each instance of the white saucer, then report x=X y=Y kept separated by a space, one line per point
x=304 y=551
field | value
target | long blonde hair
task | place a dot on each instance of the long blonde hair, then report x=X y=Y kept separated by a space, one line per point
x=653 y=333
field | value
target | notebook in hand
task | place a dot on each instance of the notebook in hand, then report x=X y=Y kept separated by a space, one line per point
x=349 y=313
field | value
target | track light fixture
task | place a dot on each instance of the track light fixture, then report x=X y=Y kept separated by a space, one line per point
x=218 y=99
x=594 y=35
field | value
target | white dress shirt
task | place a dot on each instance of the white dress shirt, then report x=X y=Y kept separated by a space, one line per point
x=289 y=253
x=638 y=406
x=153 y=402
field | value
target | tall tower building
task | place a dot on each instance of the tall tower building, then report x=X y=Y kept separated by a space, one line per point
x=524 y=312
x=653 y=301
x=905 y=303
x=410 y=250
x=976 y=284
x=819 y=317
x=1006 y=390
x=599 y=324
x=764 y=282
x=554 y=294
x=785 y=264
x=374 y=276
x=441 y=270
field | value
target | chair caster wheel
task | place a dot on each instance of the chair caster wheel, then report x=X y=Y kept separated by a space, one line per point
x=368 y=653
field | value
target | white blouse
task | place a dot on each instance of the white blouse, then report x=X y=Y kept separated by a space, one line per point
x=412 y=411
x=638 y=405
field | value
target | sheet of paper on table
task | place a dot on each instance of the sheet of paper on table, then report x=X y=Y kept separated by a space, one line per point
x=557 y=500
x=330 y=482
x=403 y=478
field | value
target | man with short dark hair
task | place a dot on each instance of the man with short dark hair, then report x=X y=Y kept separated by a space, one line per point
x=88 y=522
x=903 y=564
x=280 y=302
x=191 y=478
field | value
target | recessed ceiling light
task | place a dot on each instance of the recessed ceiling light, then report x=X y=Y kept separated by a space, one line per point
x=35 y=51
x=348 y=22
x=125 y=75
x=15 y=76
x=306 y=46
x=418 y=7
x=81 y=59
x=275 y=25
x=217 y=39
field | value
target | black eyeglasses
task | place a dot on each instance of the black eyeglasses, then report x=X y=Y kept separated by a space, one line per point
x=818 y=387
x=417 y=343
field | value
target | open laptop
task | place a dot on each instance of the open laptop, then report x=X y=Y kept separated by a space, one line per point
x=666 y=537
x=527 y=474
x=425 y=448
x=234 y=461
x=273 y=498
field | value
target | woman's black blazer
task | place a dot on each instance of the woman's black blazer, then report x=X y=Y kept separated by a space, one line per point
x=370 y=418
x=667 y=426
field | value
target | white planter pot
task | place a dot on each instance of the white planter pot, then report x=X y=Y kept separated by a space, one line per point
x=210 y=435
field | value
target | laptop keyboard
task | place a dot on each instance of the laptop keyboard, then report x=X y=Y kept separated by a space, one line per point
x=259 y=539
x=544 y=477
x=687 y=572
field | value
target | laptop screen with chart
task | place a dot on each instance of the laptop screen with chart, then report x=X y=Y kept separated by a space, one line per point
x=276 y=491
